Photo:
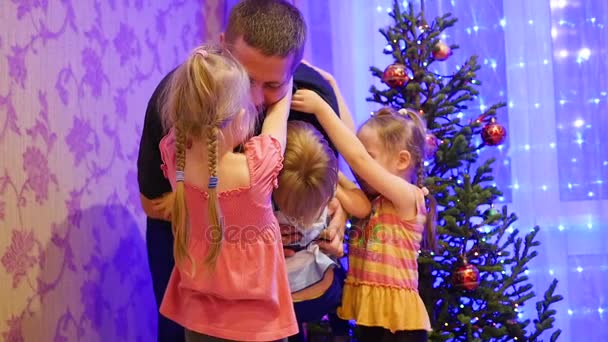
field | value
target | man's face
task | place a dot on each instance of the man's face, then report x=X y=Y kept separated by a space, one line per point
x=269 y=75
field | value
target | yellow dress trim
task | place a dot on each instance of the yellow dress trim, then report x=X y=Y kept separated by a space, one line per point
x=380 y=306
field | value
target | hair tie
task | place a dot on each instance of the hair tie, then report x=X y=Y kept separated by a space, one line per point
x=179 y=176
x=212 y=182
x=203 y=53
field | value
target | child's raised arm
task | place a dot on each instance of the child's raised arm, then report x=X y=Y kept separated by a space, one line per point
x=345 y=114
x=275 y=122
x=400 y=192
x=352 y=198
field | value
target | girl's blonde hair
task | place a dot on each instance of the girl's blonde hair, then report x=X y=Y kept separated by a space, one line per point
x=310 y=173
x=405 y=130
x=208 y=96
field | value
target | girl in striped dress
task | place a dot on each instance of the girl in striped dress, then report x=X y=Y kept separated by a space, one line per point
x=381 y=289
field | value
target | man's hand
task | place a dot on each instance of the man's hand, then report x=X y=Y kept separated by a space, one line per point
x=334 y=233
x=158 y=208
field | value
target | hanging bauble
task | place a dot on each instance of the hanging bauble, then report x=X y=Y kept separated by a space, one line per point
x=395 y=75
x=493 y=133
x=432 y=145
x=441 y=51
x=491 y=213
x=466 y=277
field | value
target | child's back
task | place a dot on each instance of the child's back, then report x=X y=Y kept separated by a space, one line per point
x=247 y=297
x=230 y=279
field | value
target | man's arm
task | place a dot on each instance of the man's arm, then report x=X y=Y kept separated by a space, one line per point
x=153 y=186
x=306 y=77
x=345 y=114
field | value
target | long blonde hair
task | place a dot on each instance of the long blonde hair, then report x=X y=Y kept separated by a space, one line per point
x=310 y=173
x=208 y=96
x=405 y=130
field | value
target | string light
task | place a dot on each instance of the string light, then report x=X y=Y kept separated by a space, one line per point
x=558 y=4
x=579 y=123
x=553 y=32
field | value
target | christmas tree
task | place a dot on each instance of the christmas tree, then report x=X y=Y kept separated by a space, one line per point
x=476 y=284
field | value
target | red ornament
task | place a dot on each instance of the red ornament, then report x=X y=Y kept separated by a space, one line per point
x=493 y=133
x=432 y=145
x=466 y=277
x=441 y=51
x=395 y=75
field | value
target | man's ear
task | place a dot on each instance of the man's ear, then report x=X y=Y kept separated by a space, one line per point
x=404 y=161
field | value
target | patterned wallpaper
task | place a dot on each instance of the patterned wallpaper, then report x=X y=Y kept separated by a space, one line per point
x=75 y=80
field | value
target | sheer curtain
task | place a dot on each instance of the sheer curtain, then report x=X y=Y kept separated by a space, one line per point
x=549 y=61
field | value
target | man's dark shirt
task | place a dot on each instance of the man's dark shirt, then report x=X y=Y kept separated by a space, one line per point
x=152 y=182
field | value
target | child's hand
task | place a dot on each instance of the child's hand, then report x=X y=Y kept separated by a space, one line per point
x=307 y=101
x=332 y=238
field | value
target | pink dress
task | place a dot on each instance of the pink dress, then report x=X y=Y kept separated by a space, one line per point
x=247 y=298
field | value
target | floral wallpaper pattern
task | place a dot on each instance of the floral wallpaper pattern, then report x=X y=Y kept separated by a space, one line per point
x=75 y=79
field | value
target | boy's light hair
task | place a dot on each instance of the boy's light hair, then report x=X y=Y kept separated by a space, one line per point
x=310 y=174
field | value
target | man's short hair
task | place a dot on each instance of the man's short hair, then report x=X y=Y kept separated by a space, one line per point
x=275 y=27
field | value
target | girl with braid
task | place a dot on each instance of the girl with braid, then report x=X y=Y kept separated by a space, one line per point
x=230 y=280
x=381 y=288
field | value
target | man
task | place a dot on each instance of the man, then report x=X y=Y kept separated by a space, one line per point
x=267 y=37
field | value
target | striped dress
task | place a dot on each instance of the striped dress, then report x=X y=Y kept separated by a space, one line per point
x=381 y=288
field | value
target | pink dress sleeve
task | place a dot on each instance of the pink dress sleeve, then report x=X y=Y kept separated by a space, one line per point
x=167 y=154
x=265 y=161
